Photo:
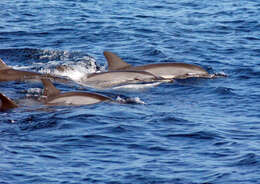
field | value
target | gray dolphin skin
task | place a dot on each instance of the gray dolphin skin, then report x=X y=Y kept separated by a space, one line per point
x=9 y=74
x=109 y=79
x=54 y=97
x=6 y=103
x=165 y=70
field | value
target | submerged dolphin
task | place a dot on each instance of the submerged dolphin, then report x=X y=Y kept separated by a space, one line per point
x=6 y=103
x=115 y=78
x=55 y=97
x=9 y=74
x=165 y=70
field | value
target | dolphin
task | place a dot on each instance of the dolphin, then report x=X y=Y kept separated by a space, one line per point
x=165 y=70
x=109 y=79
x=9 y=74
x=6 y=103
x=54 y=97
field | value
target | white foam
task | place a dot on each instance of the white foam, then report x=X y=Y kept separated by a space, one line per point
x=77 y=65
x=21 y=67
x=136 y=100
x=34 y=90
x=74 y=70
x=220 y=74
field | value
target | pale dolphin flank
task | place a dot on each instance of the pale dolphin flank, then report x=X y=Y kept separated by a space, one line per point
x=115 y=78
x=6 y=103
x=165 y=70
x=55 y=97
x=9 y=74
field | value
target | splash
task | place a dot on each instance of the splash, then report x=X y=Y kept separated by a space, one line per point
x=73 y=70
x=135 y=100
x=217 y=75
x=73 y=65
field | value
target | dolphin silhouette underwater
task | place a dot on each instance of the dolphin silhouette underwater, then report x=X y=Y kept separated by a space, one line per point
x=110 y=79
x=165 y=70
x=9 y=74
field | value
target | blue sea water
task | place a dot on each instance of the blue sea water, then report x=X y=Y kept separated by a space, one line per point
x=192 y=131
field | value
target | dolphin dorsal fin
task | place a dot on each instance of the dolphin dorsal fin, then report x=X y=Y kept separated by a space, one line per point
x=49 y=88
x=6 y=103
x=115 y=62
x=3 y=65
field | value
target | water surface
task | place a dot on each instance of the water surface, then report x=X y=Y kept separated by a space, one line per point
x=191 y=131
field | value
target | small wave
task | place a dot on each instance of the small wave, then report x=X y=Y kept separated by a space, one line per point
x=224 y=91
x=196 y=135
x=158 y=148
x=43 y=55
x=247 y=72
x=34 y=123
x=95 y=137
x=116 y=129
x=166 y=118
x=247 y=160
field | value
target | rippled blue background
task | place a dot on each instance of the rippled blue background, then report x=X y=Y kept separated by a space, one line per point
x=192 y=131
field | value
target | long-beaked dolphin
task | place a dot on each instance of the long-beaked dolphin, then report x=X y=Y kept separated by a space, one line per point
x=6 y=103
x=54 y=97
x=165 y=70
x=109 y=79
x=9 y=74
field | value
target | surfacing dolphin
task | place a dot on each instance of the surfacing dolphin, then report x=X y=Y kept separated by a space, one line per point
x=110 y=79
x=54 y=97
x=9 y=74
x=6 y=103
x=165 y=70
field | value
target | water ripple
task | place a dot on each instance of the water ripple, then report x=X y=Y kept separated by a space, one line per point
x=249 y=159
x=196 y=135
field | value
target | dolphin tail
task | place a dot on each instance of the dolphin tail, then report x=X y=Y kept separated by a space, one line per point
x=115 y=62
x=6 y=103
x=49 y=88
x=3 y=65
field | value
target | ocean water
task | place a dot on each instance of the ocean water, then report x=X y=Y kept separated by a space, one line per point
x=192 y=131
